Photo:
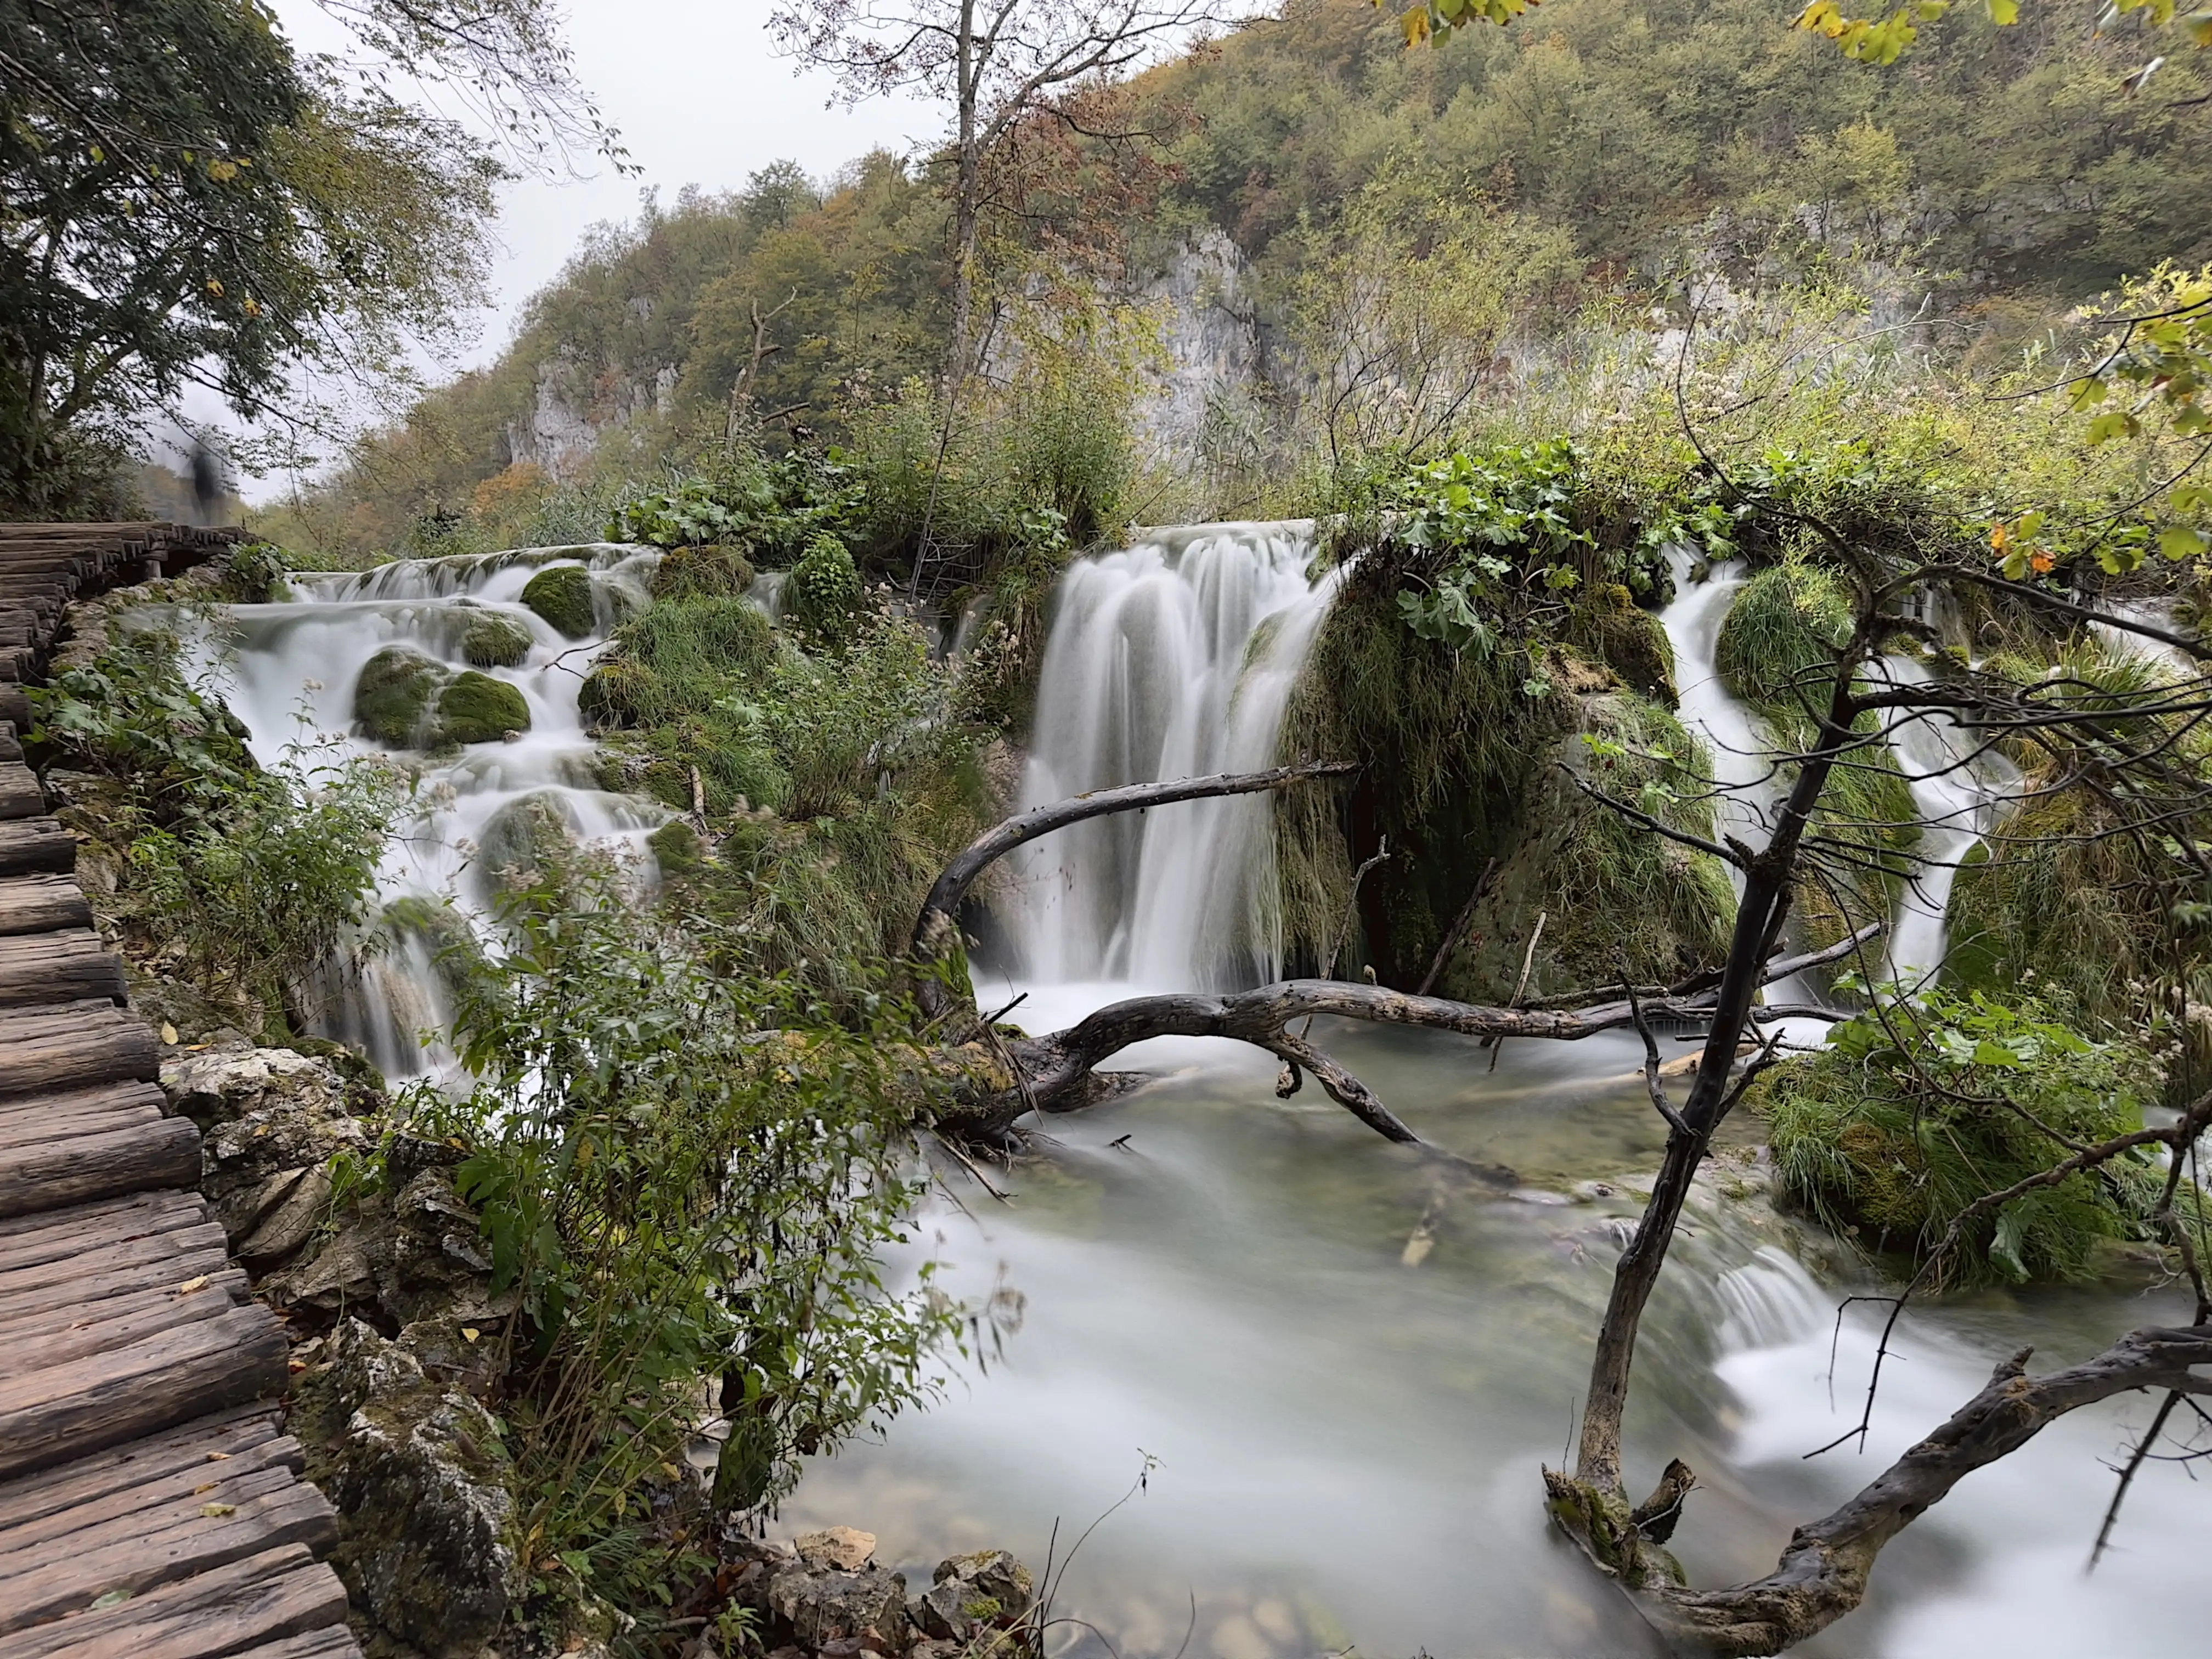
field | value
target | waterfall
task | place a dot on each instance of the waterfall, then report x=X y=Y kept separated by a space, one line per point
x=288 y=670
x=1692 y=621
x=1172 y=658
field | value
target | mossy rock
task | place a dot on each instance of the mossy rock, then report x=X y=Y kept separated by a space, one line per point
x=713 y=571
x=824 y=593
x=477 y=708
x=1632 y=642
x=522 y=838
x=1781 y=636
x=677 y=847
x=393 y=698
x=496 y=641
x=562 y=594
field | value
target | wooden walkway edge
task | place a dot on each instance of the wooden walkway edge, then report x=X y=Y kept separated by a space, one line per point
x=150 y=1505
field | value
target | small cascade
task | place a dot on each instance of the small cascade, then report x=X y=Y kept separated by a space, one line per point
x=1172 y=658
x=1955 y=793
x=1693 y=622
x=288 y=670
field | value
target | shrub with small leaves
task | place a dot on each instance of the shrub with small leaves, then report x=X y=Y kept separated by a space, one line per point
x=824 y=593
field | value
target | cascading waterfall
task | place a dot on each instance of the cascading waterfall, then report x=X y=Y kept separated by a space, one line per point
x=1172 y=658
x=288 y=670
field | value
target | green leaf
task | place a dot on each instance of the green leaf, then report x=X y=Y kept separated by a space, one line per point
x=2179 y=542
x=2004 y=1247
x=2003 y=13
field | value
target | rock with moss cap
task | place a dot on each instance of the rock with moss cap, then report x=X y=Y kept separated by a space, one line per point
x=494 y=641
x=477 y=709
x=562 y=594
x=394 y=697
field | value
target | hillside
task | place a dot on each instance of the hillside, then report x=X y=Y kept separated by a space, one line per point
x=1594 y=152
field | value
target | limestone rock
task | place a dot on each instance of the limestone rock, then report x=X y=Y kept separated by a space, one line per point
x=494 y=641
x=393 y=698
x=423 y=1489
x=477 y=709
x=844 y=1548
x=987 y=1587
x=273 y=1120
x=821 y=1607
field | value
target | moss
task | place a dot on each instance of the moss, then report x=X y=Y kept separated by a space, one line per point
x=393 y=697
x=562 y=594
x=477 y=708
x=1782 y=634
x=522 y=840
x=1893 y=1130
x=677 y=846
x=824 y=593
x=711 y=572
x=1632 y=642
x=678 y=660
x=495 y=641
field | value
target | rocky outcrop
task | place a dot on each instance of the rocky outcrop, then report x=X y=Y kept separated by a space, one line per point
x=424 y=1492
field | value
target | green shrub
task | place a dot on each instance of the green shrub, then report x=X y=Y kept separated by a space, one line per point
x=683 y=1172
x=494 y=641
x=131 y=715
x=477 y=709
x=562 y=595
x=1914 y=1110
x=824 y=592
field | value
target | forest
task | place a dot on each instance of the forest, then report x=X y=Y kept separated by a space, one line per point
x=1367 y=831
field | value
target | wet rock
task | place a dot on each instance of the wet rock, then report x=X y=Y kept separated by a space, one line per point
x=494 y=641
x=394 y=697
x=563 y=596
x=423 y=1489
x=477 y=708
x=821 y=1607
x=987 y=1587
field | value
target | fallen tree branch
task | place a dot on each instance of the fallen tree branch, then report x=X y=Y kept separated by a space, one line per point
x=1823 y=1573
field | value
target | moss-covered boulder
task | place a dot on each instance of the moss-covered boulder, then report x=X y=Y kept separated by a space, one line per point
x=1894 y=1128
x=1779 y=640
x=394 y=698
x=824 y=593
x=494 y=641
x=710 y=572
x=522 y=839
x=562 y=594
x=477 y=709
x=1609 y=626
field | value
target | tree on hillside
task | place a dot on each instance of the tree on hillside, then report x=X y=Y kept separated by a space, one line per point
x=999 y=63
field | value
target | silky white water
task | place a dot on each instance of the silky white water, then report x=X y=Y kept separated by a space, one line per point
x=288 y=670
x=1347 y=1447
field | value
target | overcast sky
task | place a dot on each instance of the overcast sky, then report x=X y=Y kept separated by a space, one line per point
x=699 y=98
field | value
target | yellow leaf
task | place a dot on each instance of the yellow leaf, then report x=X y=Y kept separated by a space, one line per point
x=169 y=1033
x=1415 y=23
x=2003 y=13
x=191 y=1284
x=216 y=1512
x=469 y=1333
x=215 y=287
x=218 y=1457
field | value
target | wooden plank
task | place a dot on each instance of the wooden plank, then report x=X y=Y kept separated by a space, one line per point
x=237 y=1432
x=117 y=1269
x=145 y=1510
x=75 y=1047
x=191 y=1466
x=70 y=965
x=110 y=1106
x=41 y=904
x=50 y=1416
x=20 y=797
x=58 y=1334
x=138 y=1157
x=336 y=1643
x=168 y=1541
x=16 y=709
x=29 y=845
x=279 y=1593
x=25 y=1226
x=116 y=1321
x=65 y=1232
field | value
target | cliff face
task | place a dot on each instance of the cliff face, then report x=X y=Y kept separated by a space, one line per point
x=572 y=409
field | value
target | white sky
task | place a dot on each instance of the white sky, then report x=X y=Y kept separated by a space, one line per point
x=698 y=97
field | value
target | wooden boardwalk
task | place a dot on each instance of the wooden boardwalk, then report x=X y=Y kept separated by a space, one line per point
x=150 y=1505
